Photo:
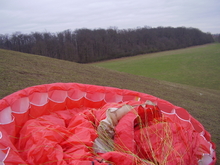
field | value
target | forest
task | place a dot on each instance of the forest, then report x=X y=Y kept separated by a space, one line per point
x=90 y=45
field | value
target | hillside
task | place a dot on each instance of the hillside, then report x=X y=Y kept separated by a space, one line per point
x=195 y=66
x=20 y=70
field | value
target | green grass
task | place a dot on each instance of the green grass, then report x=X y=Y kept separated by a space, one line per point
x=196 y=66
x=20 y=70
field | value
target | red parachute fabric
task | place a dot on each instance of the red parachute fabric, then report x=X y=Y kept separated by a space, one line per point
x=57 y=124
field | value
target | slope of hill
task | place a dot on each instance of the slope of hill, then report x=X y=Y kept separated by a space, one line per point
x=196 y=66
x=20 y=70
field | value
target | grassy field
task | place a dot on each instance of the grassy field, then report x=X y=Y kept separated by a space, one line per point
x=196 y=66
x=20 y=70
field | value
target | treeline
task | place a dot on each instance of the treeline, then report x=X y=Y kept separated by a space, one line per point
x=85 y=45
x=216 y=37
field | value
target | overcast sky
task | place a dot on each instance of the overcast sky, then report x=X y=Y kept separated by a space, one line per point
x=28 y=16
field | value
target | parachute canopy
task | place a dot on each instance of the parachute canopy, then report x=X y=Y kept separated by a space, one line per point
x=71 y=123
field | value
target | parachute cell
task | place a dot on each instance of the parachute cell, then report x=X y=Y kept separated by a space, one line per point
x=72 y=123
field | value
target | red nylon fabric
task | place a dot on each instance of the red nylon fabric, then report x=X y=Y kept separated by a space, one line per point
x=56 y=124
x=68 y=137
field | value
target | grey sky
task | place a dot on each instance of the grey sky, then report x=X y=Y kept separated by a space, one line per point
x=55 y=15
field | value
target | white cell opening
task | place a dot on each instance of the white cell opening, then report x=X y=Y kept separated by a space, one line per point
x=172 y=112
x=3 y=154
x=95 y=96
x=58 y=96
x=166 y=107
x=206 y=160
x=111 y=98
x=39 y=99
x=21 y=105
x=76 y=94
x=6 y=116
x=182 y=114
